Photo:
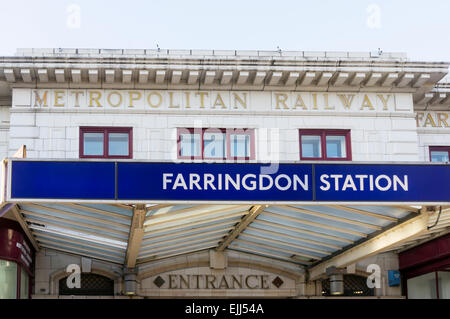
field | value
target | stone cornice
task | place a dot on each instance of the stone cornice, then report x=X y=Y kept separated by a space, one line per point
x=221 y=70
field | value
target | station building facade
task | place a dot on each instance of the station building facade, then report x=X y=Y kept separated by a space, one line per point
x=192 y=106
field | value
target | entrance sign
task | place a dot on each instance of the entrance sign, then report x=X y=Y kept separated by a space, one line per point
x=132 y=181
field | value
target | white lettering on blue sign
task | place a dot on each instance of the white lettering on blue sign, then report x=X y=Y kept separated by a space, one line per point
x=338 y=182
x=251 y=182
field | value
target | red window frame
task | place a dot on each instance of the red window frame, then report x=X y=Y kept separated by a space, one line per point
x=439 y=149
x=106 y=131
x=227 y=133
x=323 y=146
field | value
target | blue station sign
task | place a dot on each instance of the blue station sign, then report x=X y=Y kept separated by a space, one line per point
x=129 y=181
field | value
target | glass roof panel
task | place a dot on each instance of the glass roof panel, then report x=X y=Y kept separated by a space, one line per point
x=230 y=221
x=274 y=228
x=72 y=233
x=81 y=212
x=183 y=234
x=61 y=242
x=176 y=222
x=68 y=225
x=84 y=253
x=50 y=214
x=183 y=250
x=254 y=231
x=193 y=240
x=344 y=214
x=168 y=209
x=178 y=246
x=111 y=208
x=384 y=210
x=308 y=227
x=38 y=232
x=248 y=247
x=276 y=246
x=320 y=220
x=201 y=209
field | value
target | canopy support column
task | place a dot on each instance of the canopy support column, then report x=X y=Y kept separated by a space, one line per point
x=388 y=238
x=251 y=216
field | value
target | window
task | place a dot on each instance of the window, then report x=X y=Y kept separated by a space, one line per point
x=91 y=285
x=106 y=142
x=354 y=285
x=433 y=285
x=326 y=145
x=439 y=153
x=214 y=143
x=8 y=280
x=24 y=284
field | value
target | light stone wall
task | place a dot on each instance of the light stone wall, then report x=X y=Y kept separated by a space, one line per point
x=4 y=130
x=386 y=261
x=377 y=135
x=431 y=137
x=49 y=135
x=51 y=266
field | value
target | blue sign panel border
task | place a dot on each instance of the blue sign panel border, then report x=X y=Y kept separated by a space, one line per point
x=63 y=180
x=135 y=181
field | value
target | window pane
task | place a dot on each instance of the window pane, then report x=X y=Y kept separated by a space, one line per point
x=311 y=146
x=190 y=144
x=444 y=284
x=439 y=156
x=422 y=287
x=240 y=145
x=93 y=144
x=214 y=145
x=118 y=144
x=23 y=284
x=336 y=146
x=8 y=280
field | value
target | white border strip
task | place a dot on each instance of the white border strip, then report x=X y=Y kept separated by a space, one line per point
x=131 y=201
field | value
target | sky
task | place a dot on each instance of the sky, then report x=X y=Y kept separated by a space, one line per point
x=419 y=28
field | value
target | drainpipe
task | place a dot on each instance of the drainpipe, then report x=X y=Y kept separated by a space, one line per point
x=336 y=276
x=130 y=279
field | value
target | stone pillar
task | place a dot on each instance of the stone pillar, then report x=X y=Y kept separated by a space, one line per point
x=218 y=259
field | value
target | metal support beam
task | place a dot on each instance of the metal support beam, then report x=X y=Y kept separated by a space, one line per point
x=24 y=226
x=21 y=152
x=136 y=234
x=388 y=238
x=251 y=216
